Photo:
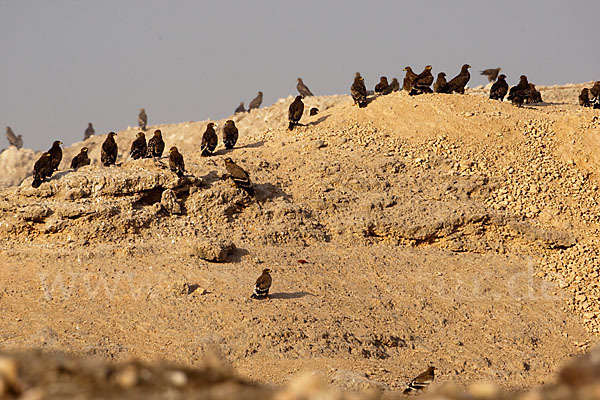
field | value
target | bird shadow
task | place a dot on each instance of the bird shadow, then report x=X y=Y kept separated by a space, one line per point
x=544 y=104
x=237 y=254
x=318 y=121
x=224 y=151
x=270 y=191
x=289 y=296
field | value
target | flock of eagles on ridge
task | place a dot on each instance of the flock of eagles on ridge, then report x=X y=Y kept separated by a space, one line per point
x=414 y=84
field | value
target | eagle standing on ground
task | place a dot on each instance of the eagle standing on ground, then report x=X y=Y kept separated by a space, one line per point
x=176 y=162
x=89 y=131
x=80 y=159
x=108 y=155
x=358 y=90
x=142 y=119
x=156 y=145
x=303 y=89
x=499 y=88
x=440 y=84
x=422 y=82
x=584 y=98
x=209 y=140
x=421 y=382
x=239 y=176
x=230 y=134
x=256 y=102
x=382 y=85
x=458 y=83
x=595 y=91
x=295 y=112
x=534 y=95
x=41 y=169
x=240 y=108
x=262 y=286
x=491 y=73
x=55 y=155
x=13 y=139
x=139 y=148
x=408 y=79
x=519 y=93
x=394 y=87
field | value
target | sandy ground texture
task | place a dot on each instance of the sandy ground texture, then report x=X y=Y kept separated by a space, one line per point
x=440 y=229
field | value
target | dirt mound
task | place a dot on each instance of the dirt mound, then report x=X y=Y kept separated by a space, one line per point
x=442 y=229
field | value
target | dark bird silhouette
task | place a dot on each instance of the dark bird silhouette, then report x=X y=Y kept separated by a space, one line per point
x=499 y=88
x=358 y=90
x=303 y=89
x=89 y=131
x=156 y=145
x=230 y=134
x=584 y=98
x=382 y=85
x=394 y=87
x=142 y=119
x=55 y=155
x=256 y=102
x=295 y=112
x=139 y=147
x=440 y=84
x=262 y=286
x=42 y=169
x=421 y=382
x=422 y=82
x=519 y=93
x=534 y=95
x=458 y=83
x=13 y=139
x=209 y=140
x=595 y=92
x=80 y=159
x=108 y=155
x=408 y=79
x=491 y=73
x=176 y=163
x=314 y=111
x=240 y=178
x=240 y=108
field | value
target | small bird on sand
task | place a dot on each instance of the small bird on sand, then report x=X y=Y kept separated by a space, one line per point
x=458 y=83
x=209 y=140
x=230 y=134
x=262 y=286
x=295 y=112
x=314 y=111
x=256 y=102
x=176 y=163
x=80 y=159
x=421 y=382
x=156 y=145
x=108 y=155
x=499 y=88
x=394 y=87
x=584 y=98
x=240 y=108
x=142 y=119
x=239 y=176
x=55 y=155
x=139 y=147
x=303 y=89
x=440 y=84
x=89 y=131
x=42 y=169
x=382 y=85
x=491 y=73
x=358 y=90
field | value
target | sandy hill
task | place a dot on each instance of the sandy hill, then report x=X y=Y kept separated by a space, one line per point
x=451 y=230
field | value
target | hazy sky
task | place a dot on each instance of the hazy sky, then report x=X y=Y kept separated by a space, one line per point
x=64 y=63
